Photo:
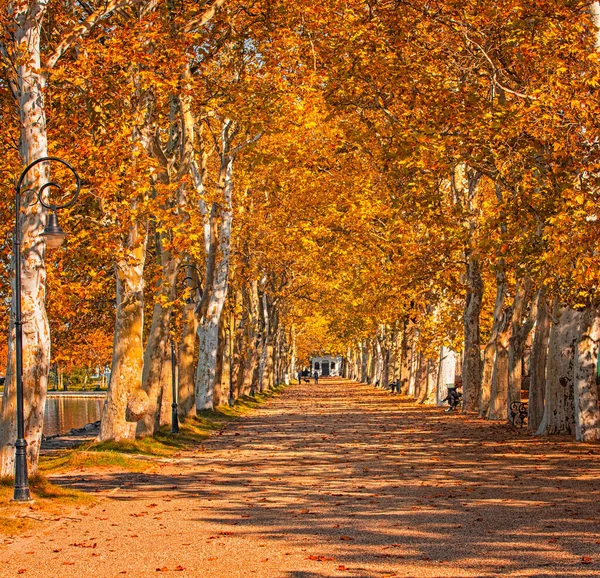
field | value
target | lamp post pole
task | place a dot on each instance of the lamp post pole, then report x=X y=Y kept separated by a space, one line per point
x=21 y=493
x=174 y=417
x=252 y=388
x=54 y=237
x=229 y=334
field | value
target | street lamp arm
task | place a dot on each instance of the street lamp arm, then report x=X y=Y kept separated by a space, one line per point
x=39 y=194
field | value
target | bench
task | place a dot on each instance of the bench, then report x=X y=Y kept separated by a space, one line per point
x=519 y=411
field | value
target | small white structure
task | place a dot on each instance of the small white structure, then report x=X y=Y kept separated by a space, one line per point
x=327 y=365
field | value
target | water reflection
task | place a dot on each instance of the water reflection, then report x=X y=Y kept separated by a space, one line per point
x=64 y=413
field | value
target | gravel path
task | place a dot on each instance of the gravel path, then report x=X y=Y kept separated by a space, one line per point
x=341 y=480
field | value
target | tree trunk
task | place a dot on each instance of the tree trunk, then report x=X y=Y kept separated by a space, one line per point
x=364 y=358
x=421 y=378
x=406 y=359
x=587 y=416
x=489 y=355
x=518 y=336
x=29 y=85
x=446 y=375
x=165 y=398
x=414 y=365
x=559 y=410
x=379 y=361
x=506 y=376
x=471 y=370
x=538 y=362
x=497 y=409
x=433 y=366
x=220 y=396
x=127 y=362
x=207 y=362
x=187 y=350
x=156 y=346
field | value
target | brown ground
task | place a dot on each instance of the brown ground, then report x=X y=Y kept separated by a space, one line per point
x=339 y=480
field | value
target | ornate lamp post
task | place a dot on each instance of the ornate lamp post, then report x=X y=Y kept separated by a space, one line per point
x=53 y=236
x=174 y=418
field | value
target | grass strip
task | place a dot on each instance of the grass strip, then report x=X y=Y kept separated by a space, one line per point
x=131 y=456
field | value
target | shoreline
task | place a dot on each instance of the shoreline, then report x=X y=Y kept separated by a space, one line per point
x=96 y=394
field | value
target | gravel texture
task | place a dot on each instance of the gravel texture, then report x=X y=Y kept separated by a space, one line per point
x=335 y=480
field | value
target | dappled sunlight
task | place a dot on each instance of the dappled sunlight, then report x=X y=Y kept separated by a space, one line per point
x=346 y=480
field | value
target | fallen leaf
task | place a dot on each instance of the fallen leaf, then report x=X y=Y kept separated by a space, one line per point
x=586 y=560
x=319 y=558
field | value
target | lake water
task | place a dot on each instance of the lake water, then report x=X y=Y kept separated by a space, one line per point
x=64 y=413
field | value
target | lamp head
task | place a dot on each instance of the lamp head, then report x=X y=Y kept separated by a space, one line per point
x=53 y=233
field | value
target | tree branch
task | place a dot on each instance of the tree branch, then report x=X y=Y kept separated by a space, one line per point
x=82 y=29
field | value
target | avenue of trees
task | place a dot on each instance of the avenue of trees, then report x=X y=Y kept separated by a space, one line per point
x=411 y=184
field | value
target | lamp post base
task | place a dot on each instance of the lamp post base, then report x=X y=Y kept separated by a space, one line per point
x=174 y=419
x=21 y=479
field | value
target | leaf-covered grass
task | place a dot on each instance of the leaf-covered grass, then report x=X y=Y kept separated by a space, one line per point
x=82 y=458
x=132 y=456
x=49 y=500
x=192 y=432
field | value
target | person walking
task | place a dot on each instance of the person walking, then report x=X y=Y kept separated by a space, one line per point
x=300 y=375
x=316 y=377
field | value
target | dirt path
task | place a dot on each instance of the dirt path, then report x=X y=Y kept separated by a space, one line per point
x=342 y=480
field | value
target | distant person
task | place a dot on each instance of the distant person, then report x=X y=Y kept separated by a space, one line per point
x=453 y=397
x=316 y=377
x=299 y=376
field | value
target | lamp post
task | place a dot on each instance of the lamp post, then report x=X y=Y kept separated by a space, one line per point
x=194 y=285
x=252 y=388
x=174 y=418
x=230 y=345
x=53 y=236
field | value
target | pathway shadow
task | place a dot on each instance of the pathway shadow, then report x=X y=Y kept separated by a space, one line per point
x=379 y=483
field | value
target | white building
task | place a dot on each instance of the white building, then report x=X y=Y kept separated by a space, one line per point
x=327 y=365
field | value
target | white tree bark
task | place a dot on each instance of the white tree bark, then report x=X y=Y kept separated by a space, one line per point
x=587 y=416
x=209 y=331
x=559 y=410
x=28 y=86
x=446 y=374
x=265 y=346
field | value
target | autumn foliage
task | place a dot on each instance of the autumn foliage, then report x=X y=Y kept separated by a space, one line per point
x=394 y=181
